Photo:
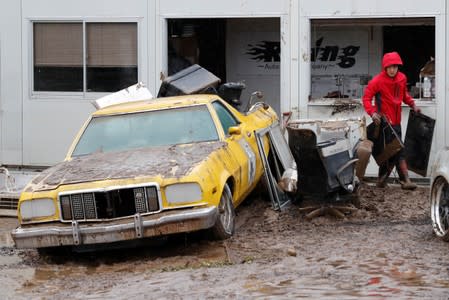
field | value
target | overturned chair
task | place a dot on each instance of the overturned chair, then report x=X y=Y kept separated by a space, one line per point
x=325 y=154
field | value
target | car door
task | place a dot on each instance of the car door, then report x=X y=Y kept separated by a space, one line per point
x=239 y=150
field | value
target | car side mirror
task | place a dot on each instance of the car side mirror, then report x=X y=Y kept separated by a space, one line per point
x=258 y=95
x=234 y=130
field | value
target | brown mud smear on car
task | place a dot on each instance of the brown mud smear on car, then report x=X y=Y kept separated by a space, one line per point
x=384 y=250
x=172 y=161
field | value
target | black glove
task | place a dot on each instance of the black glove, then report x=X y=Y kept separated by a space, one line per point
x=416 y=109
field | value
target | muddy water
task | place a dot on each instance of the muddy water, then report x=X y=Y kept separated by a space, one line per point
x=386 y=249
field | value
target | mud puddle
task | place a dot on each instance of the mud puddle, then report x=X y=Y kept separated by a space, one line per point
x=384 y=250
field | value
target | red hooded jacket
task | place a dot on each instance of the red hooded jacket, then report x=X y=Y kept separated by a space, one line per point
x=391 y=91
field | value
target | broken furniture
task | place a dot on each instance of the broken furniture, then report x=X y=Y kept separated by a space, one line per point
x=324 y=153
x=279 y=166
x=231 y=92
x=191 y=80
x=418 y=142
x=197 y=80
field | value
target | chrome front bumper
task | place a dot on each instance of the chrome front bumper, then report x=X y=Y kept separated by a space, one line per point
x=135 y=227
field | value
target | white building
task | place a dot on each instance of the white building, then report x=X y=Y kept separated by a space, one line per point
x=57 y=56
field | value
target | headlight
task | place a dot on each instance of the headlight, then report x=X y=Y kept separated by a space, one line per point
x=183 y=192
x=37 y=208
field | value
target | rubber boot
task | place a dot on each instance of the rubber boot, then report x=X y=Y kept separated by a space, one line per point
x=364 y=149
x=384 y=173
x=406 y=184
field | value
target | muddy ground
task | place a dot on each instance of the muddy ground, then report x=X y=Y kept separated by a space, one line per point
x=384 y=250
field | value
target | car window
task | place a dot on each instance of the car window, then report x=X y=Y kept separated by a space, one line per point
x=226 y=118
x=147 y=129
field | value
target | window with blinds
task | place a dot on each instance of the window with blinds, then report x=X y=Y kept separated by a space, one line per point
x=101 y=59
x=58 y=57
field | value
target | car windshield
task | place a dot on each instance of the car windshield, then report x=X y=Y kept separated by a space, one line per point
x=147 y=129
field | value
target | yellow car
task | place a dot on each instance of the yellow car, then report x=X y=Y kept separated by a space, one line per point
x=144 y=169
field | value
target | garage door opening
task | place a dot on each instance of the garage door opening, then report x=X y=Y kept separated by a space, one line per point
x=237 y=49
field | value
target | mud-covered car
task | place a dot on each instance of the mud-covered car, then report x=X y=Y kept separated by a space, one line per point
x=145 y=169
x=439 y=195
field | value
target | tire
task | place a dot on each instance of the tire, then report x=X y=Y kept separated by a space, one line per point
x=225 y=223
x=439 y=208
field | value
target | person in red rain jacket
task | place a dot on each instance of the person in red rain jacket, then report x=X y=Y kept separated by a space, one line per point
x=389 y=88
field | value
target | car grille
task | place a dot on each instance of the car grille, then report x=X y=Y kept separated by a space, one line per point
x=110 y=204
x=8 y=203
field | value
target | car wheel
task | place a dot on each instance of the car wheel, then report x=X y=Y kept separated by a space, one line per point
x=439 y=207
x=225 y=223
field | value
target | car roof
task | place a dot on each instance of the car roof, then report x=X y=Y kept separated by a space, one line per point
x=157 y=103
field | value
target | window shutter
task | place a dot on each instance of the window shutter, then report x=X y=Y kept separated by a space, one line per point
x=58 y=44
x=111 y=44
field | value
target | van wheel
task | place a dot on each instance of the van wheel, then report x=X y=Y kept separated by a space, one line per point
x=439 y=208
x=225 y=223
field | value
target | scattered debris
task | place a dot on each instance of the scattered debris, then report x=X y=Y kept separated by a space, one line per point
x=345 y=105
x=291 y=252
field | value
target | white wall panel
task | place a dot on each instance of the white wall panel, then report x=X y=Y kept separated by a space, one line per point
x=445 y=80
x=83 y=8
x=441 y=94
x=386 y=8
x=304 y=78
x=229 y=8
x=11 y=84
x=293 y=61
x=50 y=127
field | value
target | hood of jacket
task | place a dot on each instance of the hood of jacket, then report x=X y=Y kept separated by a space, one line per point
x=391 y=58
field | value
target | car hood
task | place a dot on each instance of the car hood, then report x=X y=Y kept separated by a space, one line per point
x=171 y=161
